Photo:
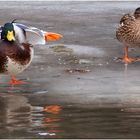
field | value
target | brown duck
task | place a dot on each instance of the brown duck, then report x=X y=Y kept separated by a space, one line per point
x=16 y=47
x=129 y=34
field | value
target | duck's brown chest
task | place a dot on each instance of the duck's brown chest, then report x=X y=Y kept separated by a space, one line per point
x=129 y=33
x=14 y=57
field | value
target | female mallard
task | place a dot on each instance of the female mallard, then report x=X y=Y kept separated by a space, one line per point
x=16 y=47
x=129 y=33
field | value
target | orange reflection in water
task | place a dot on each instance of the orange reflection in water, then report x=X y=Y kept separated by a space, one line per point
x=52 y=121
x=54 y=109
x=53 y=125
x=55 y=131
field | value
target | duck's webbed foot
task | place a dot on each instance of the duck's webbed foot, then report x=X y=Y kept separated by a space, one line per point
x=14 y=81
x=128 y=60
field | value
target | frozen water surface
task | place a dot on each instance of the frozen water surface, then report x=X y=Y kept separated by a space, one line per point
x=75 y=87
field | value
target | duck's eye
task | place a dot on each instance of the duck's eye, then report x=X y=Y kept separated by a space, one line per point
x=10 y=36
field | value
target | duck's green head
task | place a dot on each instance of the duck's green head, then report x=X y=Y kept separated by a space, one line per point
x=8 y=32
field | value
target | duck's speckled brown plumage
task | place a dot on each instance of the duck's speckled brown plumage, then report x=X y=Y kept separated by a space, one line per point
x=129 y=30
x=20 y=55
x=125 y=19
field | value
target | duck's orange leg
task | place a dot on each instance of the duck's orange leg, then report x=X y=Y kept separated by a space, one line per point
x=14 y=81
x=127 y=59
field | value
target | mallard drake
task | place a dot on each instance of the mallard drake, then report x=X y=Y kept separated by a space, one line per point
x=128 y=33
x=16 y=47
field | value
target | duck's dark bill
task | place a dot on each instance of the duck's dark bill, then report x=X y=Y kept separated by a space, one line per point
x=49 y=36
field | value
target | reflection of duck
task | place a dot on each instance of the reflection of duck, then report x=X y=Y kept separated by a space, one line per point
x=129 y=33
x=14 y=115
x=48 y=119
x=54 y=109
x=16 y=50
x=19 y=117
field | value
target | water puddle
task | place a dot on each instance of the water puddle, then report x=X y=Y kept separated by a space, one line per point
x=20 y=119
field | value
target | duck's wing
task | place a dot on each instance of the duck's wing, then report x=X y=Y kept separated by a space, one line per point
x=36 y=36
x=25 y=33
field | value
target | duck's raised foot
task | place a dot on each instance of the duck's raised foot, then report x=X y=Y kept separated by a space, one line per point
x=14 y=81
x=49 y=36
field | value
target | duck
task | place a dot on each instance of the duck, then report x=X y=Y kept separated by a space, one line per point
x=17 y=47
x=128 y=33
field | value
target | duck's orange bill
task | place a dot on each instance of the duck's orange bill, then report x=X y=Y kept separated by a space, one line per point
x=49 y=36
